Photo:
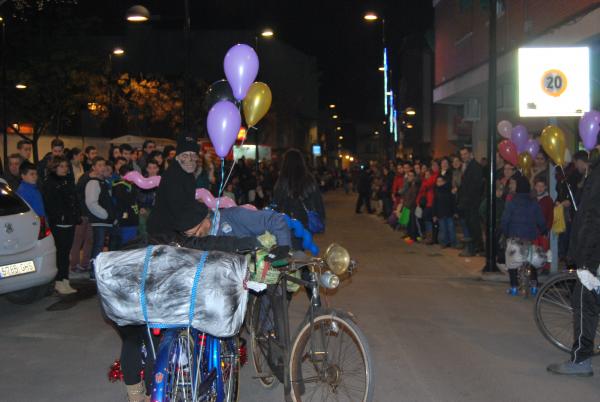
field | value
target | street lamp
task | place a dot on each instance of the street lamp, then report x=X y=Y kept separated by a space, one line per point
x=370 y=16
x=118 y=51
x=335 y=116
x=332 y=106
x=410 y=111
x=267 y=33
x=21 y=85
x=382 y=69
x=138 y=13
x=338 y=128
x=341 y=137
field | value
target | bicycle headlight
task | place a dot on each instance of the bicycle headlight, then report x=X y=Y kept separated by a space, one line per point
x=337 y=258
x=329 y=280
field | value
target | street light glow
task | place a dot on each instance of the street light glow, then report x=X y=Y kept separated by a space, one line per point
x=338 y=128
x=382 y=69
x=21 y=86
x=410 y=111
x=118 y=51
x=341 y=137
x=351 y=159
x=267 y=33
x=335 y=116
x=138 y=13
x=332 y=106
x=347 y=156
x=376 y=132
x=409 y=125
x=370 y=16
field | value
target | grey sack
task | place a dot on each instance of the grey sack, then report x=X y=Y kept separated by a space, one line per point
x=221 y=296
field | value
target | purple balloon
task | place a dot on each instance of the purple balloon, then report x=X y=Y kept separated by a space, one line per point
x=589 y=126
x=532 y=147
x=519 y=137
x=241 y=69
x=223 y=123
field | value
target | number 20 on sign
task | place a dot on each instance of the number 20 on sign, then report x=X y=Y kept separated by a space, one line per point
x=554 y=82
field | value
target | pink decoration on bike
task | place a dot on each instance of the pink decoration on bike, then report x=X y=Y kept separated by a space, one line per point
x=207 y=198
x=142 y=182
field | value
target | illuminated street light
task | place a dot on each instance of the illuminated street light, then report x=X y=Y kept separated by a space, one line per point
x=370 y=16
x=335 y=116
x=332 y=106
x=410 y=111
x=341 y=137
x=138 y=13
x=21 y=86
x=382 y=69
x=347 y=156
x=409 y=125
x=118 y=51
x=351 y=159
x=267 y=33
x=376 y=132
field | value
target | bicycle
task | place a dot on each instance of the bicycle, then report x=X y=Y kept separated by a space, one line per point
x=315 y=361
x=554 y=312
x=194 y=366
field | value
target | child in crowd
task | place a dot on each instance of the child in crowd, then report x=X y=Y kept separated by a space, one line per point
x=522 y=222
x=126 y=209
x=547 y=206
x=28 y=189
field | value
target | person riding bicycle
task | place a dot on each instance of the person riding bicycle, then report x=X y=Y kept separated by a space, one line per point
x=584 y=250
x=522 y=221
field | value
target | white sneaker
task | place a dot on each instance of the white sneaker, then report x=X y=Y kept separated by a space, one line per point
x=62 y=289
x=68 y=287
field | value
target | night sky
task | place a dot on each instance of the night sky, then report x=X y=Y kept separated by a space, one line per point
x=348 y=49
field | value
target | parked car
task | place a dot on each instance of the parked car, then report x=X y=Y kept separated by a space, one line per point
x=27 y=252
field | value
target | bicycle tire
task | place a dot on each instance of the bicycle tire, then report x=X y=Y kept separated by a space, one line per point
x=259 y=340
x=553 y=304
x=230 y=357
x=333 y=377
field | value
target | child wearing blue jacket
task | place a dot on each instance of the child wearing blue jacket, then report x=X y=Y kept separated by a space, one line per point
x=522 y=222
x=28 y=189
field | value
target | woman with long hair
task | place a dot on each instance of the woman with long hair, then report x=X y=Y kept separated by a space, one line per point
x=296 y=191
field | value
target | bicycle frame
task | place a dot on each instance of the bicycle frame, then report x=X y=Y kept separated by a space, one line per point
x=210 y=348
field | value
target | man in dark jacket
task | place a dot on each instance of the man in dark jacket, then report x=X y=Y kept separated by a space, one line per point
x=584 y=250
x=469 y=198
x=176 y=193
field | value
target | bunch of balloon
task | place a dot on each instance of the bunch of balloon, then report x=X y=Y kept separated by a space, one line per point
x=554 y=144
x=517 y=148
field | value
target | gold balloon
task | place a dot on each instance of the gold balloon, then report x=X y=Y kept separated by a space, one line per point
x=525 y=162
x=553 y=142
x=257 y=103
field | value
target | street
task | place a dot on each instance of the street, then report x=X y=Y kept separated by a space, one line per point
x=436 y=331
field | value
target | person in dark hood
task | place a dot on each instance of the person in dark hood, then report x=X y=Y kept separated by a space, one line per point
x=584 y=250
x=443 y=211
x=176 y=195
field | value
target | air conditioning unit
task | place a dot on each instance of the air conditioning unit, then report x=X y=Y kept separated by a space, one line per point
x=471 y=110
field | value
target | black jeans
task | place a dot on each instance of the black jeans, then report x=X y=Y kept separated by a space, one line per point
x=364 y=198
x=586 y=307
x=63 y=240
x=133 y=337
x=474 y=226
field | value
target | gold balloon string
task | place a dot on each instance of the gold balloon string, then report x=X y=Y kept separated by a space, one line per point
x=568 y=188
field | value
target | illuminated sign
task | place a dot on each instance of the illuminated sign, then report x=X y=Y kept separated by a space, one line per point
x=316 y=150
x=554 y=81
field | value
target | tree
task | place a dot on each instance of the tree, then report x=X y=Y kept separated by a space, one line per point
x=49 y=54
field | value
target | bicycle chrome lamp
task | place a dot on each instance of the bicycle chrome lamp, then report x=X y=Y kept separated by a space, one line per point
x=337 y=258
x=329 y=280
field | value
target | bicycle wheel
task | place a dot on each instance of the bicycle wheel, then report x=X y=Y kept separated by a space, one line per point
x=331 y=359
x=230 y=366
x=554 y=312
x=261 y=328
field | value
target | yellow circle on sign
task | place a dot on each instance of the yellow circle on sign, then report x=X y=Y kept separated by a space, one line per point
x=554 y=82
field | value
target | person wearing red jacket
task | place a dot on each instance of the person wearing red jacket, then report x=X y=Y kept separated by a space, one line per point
x=425 y=200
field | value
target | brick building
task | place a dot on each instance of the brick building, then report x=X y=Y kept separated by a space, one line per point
x=461 y=68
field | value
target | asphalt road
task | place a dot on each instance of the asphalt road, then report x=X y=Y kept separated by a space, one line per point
x=436 y=331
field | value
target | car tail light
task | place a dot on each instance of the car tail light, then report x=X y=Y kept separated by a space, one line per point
x=44 y=229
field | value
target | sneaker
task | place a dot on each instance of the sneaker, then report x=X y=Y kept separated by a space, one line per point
x=533 y=291
x=61 y=289
x=582 y=369
x=67 y=286
x=513 y=291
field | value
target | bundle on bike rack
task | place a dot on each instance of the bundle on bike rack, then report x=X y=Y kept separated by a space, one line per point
x=164 y=293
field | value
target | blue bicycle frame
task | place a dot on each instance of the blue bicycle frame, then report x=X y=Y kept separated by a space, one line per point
x=211 y=352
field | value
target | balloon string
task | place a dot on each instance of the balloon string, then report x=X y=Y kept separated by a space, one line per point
x=568 y=188
x=217 y=215
x=235 y=161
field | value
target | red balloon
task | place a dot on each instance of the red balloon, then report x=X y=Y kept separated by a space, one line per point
x=508 y=151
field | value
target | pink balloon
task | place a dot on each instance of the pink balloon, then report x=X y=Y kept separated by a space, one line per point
x=508 y=152
x=505 y=129
x=207 y=198
x=142 y=182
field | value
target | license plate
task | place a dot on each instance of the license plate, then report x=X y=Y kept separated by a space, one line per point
x=17 y=269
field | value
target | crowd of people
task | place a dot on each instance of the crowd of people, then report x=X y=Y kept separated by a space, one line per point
x=89 y=207
x=443 y=202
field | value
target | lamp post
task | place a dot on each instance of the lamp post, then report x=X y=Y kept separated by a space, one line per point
x=117 y=52
x=140 y=14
